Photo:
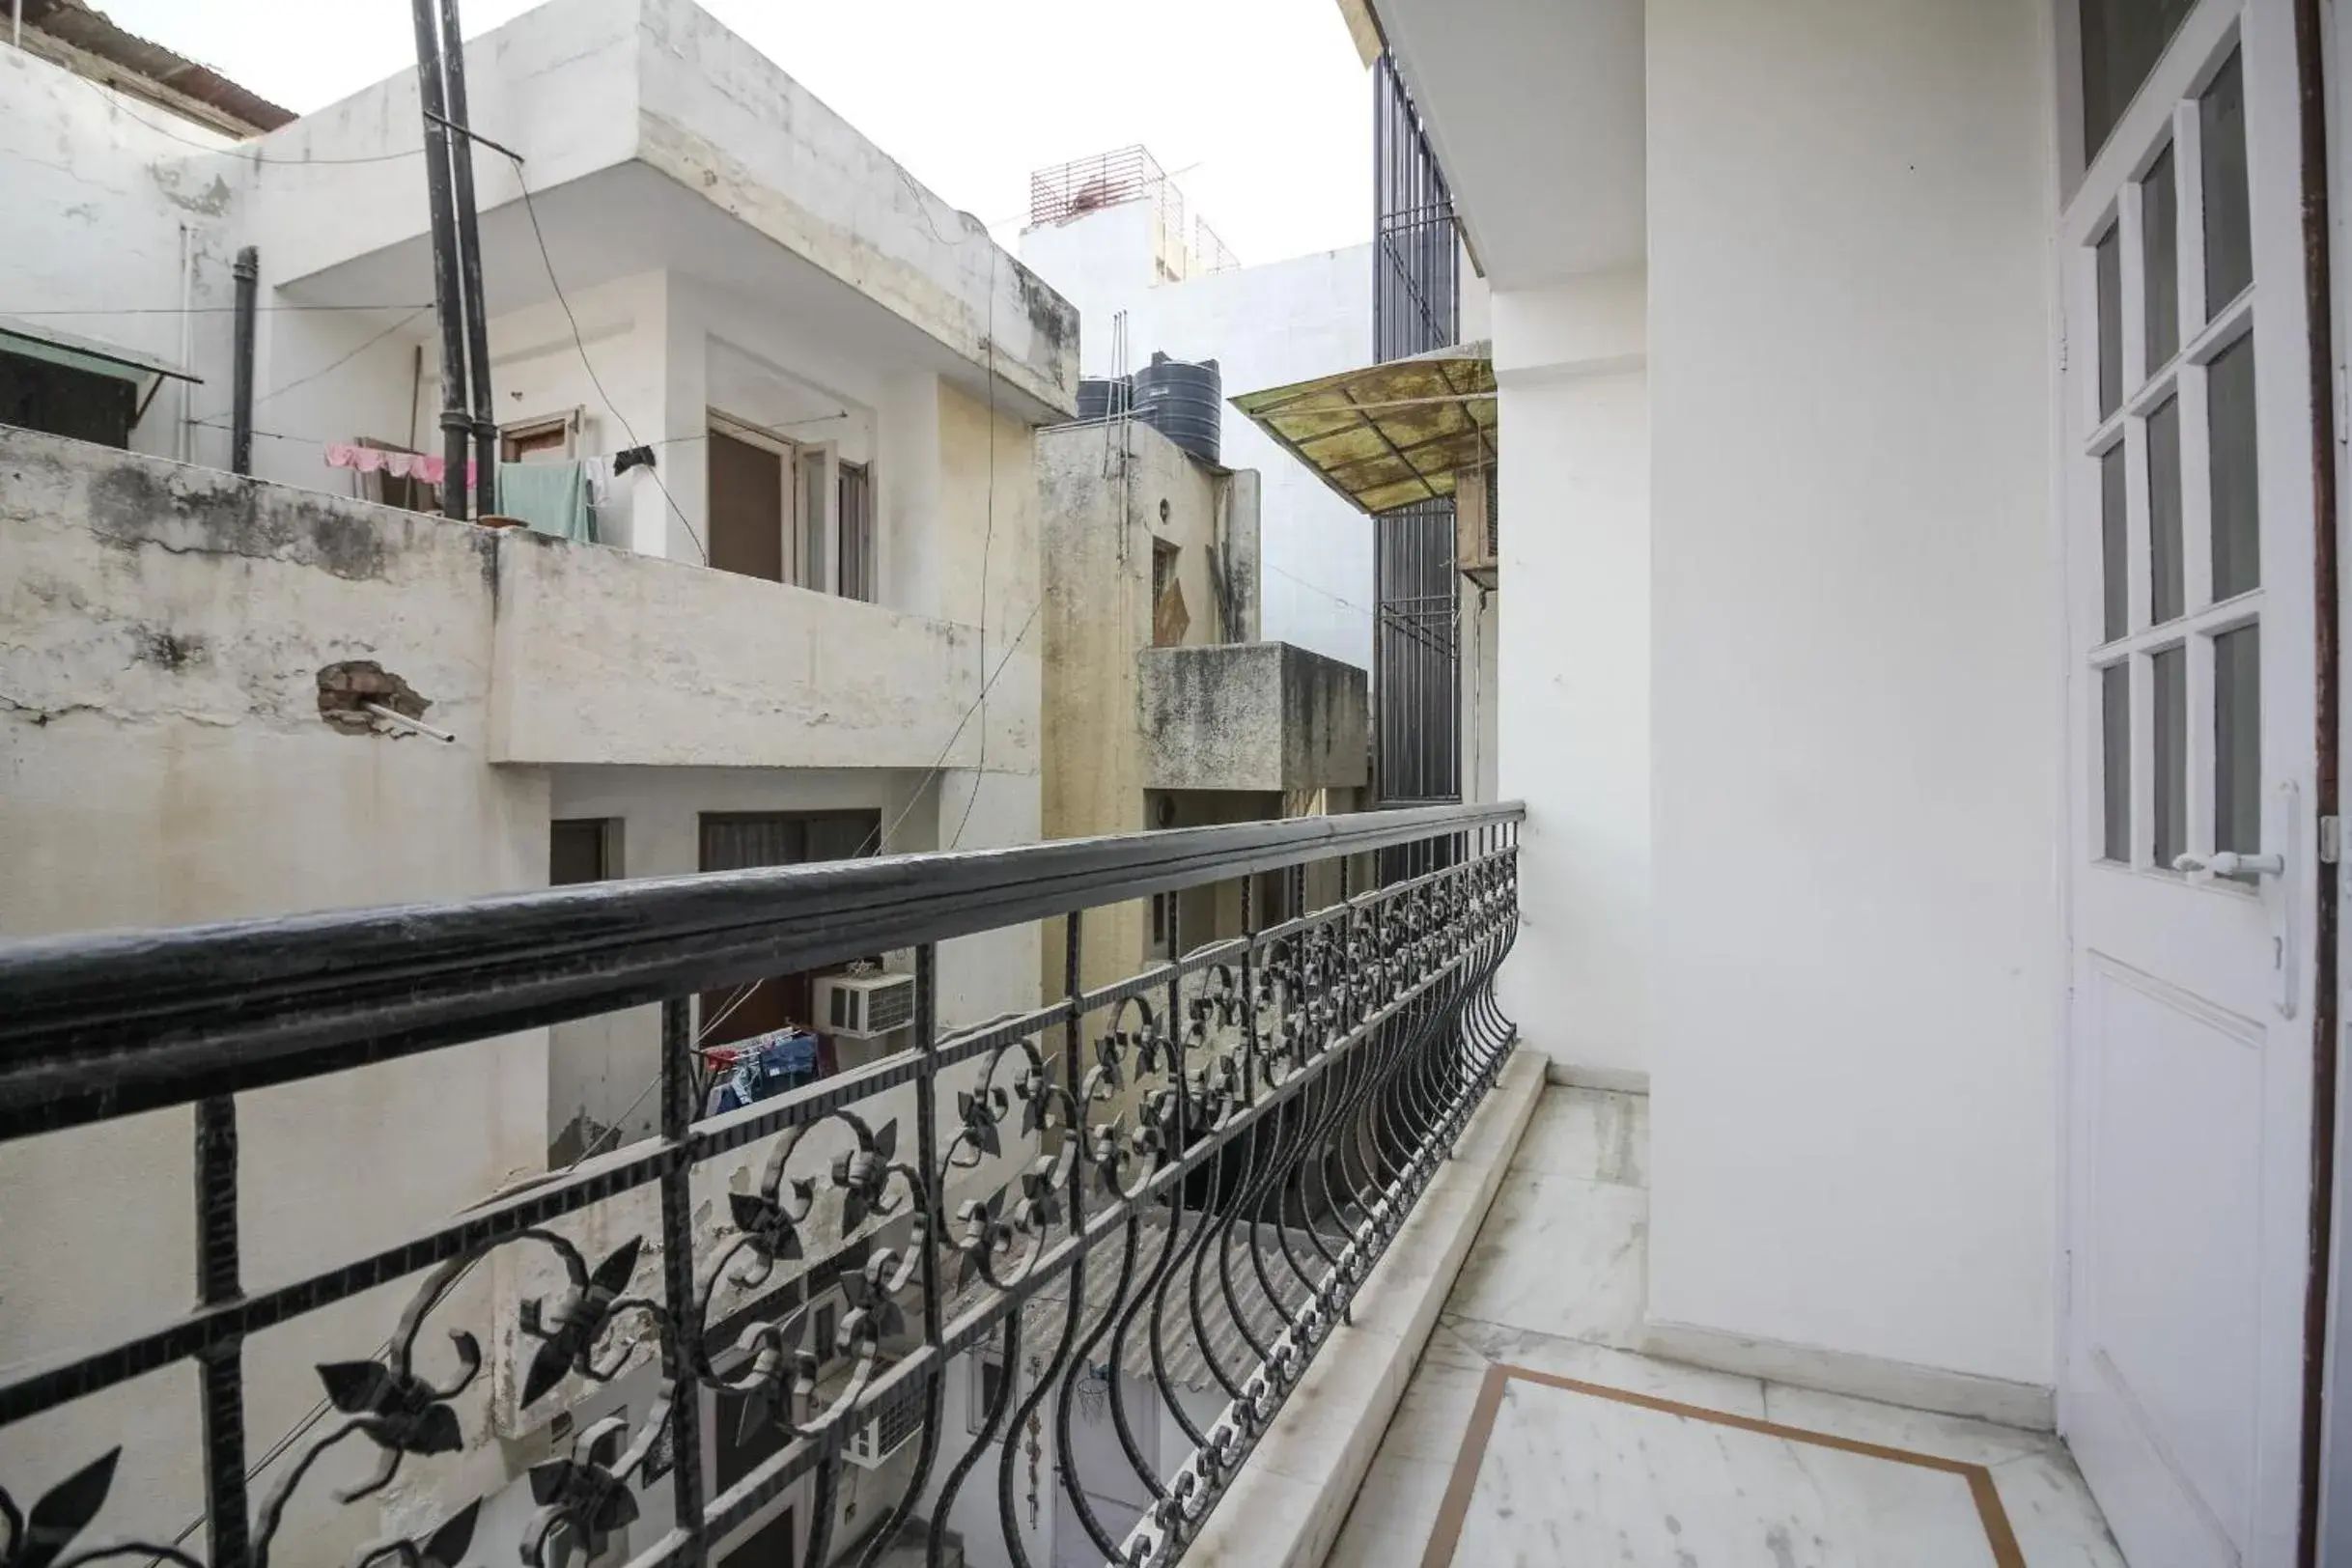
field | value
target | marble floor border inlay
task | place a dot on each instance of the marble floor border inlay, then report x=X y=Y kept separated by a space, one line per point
x=1445 y=1536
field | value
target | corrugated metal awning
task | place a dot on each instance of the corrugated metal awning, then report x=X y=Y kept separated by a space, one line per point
x=72 y=349
x=1387 y=436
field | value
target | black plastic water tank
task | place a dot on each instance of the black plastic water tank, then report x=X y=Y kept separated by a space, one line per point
x=1184 y=402
x=1100 y=398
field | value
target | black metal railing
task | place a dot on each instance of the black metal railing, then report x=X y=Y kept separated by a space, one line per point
x=1416 y=307
x=1113 y=1231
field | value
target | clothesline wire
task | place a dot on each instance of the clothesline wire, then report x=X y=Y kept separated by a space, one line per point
x=331 y=365
x=1316 y=588
x=531 y=209
x=204 y=310
x=322 y=441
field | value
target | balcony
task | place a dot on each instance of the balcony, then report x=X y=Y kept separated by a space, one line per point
x=1256 y=715
x=1103 y=1245
x=603 y=656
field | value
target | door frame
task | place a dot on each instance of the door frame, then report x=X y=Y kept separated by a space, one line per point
x=2282 y=1498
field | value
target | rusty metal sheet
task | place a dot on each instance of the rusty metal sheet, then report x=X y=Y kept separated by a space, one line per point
x=1387 y=436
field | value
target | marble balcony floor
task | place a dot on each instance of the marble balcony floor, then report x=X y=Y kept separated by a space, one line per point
x=1534 y=1434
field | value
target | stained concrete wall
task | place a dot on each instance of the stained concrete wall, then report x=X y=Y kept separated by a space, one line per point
x=1259 y=715
x=1099 y=515
x=117 y=204
x=162 y=759
x=1266 y=325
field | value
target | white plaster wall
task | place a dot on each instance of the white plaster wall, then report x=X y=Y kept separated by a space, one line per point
x=1102 y=263
x=718 y=116
x=1481 y=612
x=99 y=204
x=1858 y=678
x=1572 y=676
x=559 y=83
x=1264 y=325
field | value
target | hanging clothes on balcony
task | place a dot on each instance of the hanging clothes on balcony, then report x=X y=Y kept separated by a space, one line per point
x=762 y=1067
x=551 y=497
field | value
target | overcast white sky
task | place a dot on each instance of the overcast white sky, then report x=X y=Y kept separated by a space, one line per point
x=1261 y=104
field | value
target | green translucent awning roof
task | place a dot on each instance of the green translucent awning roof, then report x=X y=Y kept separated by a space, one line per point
x=1387 y=436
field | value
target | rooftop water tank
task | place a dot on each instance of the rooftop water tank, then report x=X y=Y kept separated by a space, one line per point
x=1184 y=402
x=1101 y=396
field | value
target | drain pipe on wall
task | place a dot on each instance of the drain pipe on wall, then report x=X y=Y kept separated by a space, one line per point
x=241 y=383
x=447 y=302
x=470 y=261
x=183 y=439
x=2311 y=96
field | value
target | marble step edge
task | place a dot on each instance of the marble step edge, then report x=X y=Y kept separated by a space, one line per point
x=1286 y=1507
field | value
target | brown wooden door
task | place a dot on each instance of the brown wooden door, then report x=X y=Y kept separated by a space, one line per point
x=747 y=509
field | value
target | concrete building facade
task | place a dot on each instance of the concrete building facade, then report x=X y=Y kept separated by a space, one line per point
x=811 y=617
x=1264 y=324
x=1161 y=705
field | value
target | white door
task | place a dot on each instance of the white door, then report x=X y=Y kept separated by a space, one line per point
x=2186 y=455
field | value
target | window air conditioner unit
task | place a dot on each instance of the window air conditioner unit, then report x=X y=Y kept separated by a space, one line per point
x=887 y=1430
x=864 y=1006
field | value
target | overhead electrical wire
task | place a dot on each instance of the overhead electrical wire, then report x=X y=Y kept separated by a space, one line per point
x=580 y=343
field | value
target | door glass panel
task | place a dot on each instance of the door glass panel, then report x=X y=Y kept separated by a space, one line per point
x=2115 y=762
x=2171 y=671
x=2229 y=398
x=2228 y=227
x=2237 y=740
x=2166 y=587
x=2160 y=258
x=2115 y=569
x=2108 y=255
x=2121 y=43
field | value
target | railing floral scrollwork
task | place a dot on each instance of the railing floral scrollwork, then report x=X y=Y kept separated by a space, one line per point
x=1023 y=1288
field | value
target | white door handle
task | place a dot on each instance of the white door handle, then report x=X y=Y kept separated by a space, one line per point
x=2228 y=863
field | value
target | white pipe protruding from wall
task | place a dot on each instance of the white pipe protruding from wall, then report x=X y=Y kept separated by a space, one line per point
x=403 y=722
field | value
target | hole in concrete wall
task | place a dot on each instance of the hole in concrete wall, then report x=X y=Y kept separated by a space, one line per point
x=345 y=688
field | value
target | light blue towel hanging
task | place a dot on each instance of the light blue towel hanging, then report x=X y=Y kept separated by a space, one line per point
x=552 y=497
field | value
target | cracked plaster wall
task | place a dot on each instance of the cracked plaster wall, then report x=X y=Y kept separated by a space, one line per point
x=163 y=759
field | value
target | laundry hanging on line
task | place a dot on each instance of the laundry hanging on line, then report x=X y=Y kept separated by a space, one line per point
x=549 y=498
x=370 y=459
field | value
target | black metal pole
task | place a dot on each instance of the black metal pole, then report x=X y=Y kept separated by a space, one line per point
x=469 y=262
x=240 y=386
x=447 y=302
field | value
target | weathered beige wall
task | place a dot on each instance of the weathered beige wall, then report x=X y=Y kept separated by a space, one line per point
x=987 y=578
x=1097 y=531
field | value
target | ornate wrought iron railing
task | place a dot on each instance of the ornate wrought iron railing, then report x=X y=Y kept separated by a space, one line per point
x=1110 y=1233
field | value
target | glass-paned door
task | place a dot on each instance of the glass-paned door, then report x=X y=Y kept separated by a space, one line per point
x=2186 y=460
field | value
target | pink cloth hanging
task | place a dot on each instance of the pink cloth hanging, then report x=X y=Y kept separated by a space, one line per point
x=369 y=459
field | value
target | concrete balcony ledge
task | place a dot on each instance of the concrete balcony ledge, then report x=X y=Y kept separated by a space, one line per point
x=603 y=656
x=1251 y=715
x=1295 y=1488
